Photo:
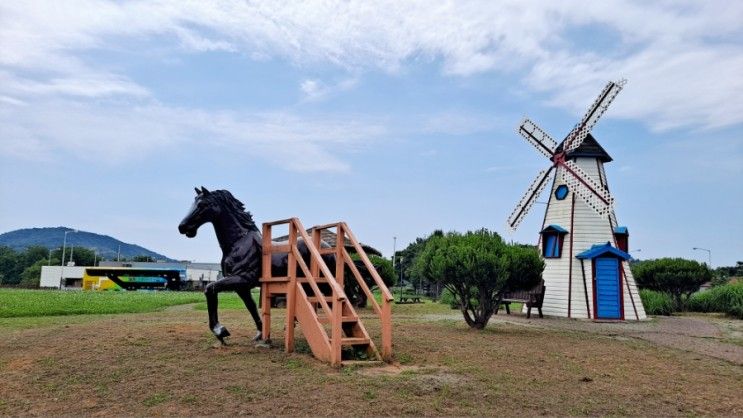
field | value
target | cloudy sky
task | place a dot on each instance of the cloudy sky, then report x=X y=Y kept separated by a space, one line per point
x=398 y=117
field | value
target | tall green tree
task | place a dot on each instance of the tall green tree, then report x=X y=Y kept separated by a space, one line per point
x=677 y=276
x=476 y=267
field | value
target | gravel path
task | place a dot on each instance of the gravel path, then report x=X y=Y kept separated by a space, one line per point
x=706 y=335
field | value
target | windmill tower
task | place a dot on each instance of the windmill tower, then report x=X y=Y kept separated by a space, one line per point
x=584 y=249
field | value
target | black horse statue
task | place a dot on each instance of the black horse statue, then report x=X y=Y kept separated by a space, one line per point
x=242 y=248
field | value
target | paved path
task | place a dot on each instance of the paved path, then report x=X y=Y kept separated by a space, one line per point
x=707 y=335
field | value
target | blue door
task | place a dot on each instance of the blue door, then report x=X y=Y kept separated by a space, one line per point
x=608 y=302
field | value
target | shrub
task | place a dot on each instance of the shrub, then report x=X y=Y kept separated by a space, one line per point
x=656 y=303
x=476 y=267
x=727 y=299
x=676 y=276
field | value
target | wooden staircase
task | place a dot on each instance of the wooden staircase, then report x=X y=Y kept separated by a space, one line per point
x=317 y=300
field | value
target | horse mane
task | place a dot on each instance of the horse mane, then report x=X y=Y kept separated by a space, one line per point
x=235 y=206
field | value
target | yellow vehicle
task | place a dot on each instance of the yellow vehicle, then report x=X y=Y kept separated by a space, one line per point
x=129 y=278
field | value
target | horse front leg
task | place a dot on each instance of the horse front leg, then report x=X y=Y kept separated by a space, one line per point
x=212 y=304
x=247 y=299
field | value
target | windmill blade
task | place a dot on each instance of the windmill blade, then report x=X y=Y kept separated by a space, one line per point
x=537 y=137
x=527 y=201
x=594 y=194
x=599 y=106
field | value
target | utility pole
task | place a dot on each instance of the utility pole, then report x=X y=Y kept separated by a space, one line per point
x=64 y=245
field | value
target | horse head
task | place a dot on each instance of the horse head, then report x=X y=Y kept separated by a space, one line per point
x=202 y=211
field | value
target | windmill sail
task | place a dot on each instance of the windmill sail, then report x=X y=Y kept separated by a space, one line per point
x=527 y=201
x=537 y=137
x=595 y=195
x=599 y=106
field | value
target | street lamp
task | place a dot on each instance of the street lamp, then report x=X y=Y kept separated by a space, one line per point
x=64 y=245
x=709 y=255
x=639 y=250
x=400 y=284
x=394 y=252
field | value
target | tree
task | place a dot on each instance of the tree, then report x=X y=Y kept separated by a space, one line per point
x=677 y=276
x=10 y=268
x=32 y=274
x=406 y=258
x=476 y=267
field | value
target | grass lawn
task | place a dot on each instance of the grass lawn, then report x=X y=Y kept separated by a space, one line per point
x=24 y=303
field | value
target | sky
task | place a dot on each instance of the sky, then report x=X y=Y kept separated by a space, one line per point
x=396 y=117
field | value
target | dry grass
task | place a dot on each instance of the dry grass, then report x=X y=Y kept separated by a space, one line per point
x=164 y=363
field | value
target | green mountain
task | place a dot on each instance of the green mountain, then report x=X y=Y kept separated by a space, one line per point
x=106 y=246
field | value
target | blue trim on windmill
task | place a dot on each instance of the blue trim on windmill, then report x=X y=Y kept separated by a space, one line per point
x=602 y=249
x=621 y=230
x=554 y=228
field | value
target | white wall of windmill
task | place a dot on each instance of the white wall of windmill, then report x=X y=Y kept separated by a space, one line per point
x=588 y=229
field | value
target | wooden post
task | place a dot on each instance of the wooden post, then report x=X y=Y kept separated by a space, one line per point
x=314 y=265
x=386 y=325
x=339 y=262
x=265 y=286
x=291 y=290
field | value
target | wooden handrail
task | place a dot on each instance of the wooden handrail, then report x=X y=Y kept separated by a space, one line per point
x=369 y=295
x=386 y=294
x=282 y=221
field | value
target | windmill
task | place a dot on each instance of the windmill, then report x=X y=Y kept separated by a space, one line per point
x=585 y=251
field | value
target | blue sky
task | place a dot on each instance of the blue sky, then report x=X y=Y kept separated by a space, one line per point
x=397 y=117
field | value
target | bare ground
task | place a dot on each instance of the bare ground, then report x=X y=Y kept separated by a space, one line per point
x=164 y=364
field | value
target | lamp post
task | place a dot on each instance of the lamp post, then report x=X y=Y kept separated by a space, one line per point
x=64 y=245
x=639 y=250
x=394 y=252
x=400 y=284
x=709 y=255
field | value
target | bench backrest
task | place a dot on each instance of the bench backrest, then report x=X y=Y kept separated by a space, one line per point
x=537 y=291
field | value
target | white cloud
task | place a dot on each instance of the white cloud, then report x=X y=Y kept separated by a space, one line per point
x=117 y=133
x=683 y=60
x=315 y=90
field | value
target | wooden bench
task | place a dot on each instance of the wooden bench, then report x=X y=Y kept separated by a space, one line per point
x=533 y=298
x=410 y=299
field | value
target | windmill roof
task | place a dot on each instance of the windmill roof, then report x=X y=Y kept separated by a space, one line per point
x=589 y=148
x=601 y=249
x=556 y=228
x=621 y=230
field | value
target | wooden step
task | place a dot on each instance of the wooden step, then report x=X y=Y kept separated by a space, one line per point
x=316 y=299
x=324 y=320
x=274 y=279
x=317 y=280
x=354 y=341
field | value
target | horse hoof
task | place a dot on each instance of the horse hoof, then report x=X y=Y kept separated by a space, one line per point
x=263 y=344
x=258 y=337
x=221 y=333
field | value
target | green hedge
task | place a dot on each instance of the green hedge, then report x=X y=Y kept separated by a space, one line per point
x=726 y=299
x=656 y=303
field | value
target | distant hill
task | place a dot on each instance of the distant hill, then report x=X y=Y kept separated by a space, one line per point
x=107 y=247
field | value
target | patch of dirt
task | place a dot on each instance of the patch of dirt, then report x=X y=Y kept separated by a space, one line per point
x=163 y=364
